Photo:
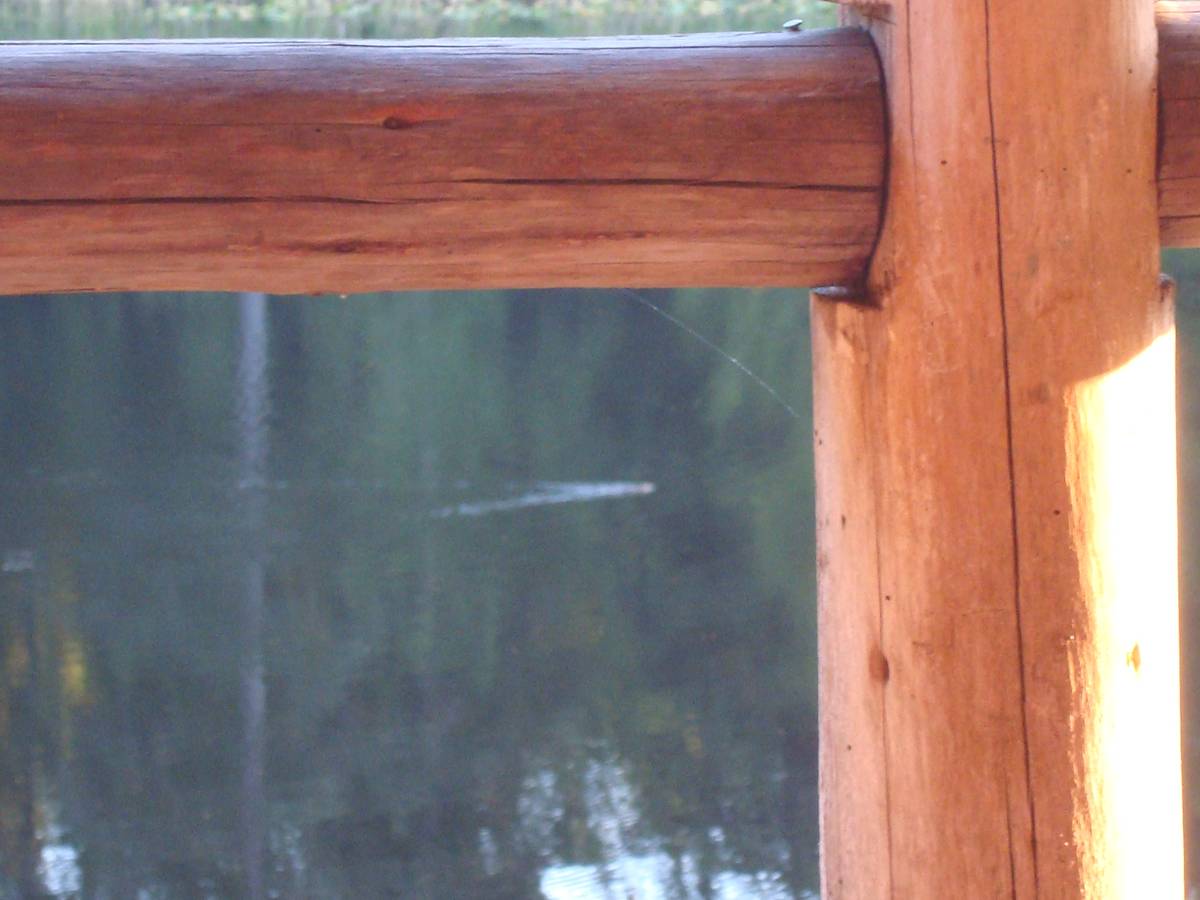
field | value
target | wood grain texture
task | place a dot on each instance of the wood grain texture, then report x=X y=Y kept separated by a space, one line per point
x=1091 y=370
x=291 y=166
x=995 y=462
x=920 y=479
x=1179 y=123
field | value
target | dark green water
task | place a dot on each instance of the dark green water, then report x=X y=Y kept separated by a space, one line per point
x=491 y=595
x=500 y=595
x=1185 y=266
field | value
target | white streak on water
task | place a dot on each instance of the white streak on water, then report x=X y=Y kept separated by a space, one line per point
x=17 y=560
x=549 y=493
x=252 y=390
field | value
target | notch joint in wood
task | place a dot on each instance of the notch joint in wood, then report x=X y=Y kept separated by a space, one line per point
x=1167 y=288
x=855 y=294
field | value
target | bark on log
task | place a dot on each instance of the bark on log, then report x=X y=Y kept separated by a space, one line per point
x=995 y=458
x=323 y=166
x=1179 y=123
x=289 y=166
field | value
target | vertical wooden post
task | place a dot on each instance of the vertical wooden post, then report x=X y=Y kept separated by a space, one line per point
x=996 y=474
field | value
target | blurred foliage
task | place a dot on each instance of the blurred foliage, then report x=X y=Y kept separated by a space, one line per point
x=394 y=18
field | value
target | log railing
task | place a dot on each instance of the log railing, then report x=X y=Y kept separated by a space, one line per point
x=288 y=166
x=994 y=430
x=1179 y=124
x=291 y=166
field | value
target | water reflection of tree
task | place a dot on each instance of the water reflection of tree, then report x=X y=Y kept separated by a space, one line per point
x=421 y=672
x=252 y=413
x=22 y=743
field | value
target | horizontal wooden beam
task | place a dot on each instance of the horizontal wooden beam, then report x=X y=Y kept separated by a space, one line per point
x=1179 y=123
x=295 y=166
x=298 y=166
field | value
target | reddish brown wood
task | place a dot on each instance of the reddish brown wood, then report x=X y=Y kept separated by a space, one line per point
x=1179 y=123
x=288 y=166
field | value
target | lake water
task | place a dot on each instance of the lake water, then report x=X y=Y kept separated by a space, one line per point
x=487 y=595
x=501 y=595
